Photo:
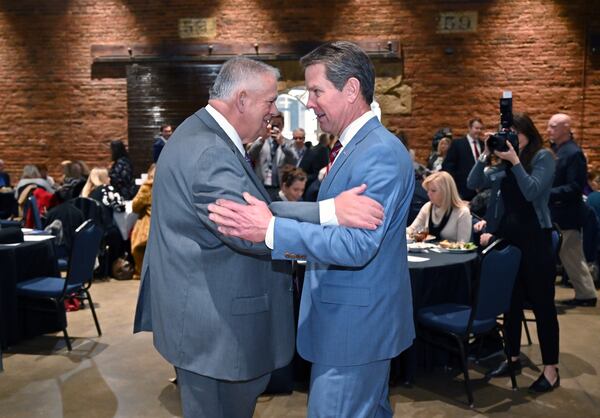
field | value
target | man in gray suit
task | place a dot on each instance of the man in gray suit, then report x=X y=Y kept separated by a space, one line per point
x=219 y=308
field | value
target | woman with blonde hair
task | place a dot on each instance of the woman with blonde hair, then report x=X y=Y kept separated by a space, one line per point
x=98 y=187
x=445 y=216
x=98 y=177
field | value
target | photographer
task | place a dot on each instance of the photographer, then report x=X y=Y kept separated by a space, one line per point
x=518 y=212
x=270 y=154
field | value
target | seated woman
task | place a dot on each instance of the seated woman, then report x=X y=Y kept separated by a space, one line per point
x=142 y=205
x=31 y=176
x=445 y=216
x=293 y=182
x=98 y=187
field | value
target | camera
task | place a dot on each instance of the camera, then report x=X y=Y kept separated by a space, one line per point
x=499 y=140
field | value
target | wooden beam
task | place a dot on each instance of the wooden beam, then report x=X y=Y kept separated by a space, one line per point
x=271 y=51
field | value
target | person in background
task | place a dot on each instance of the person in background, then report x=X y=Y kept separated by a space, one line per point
x=98 y=187
x=31 y=175
x=121 y=171
x=518 y=213
x=568 y=209
x=435 y=161
x=142 y=205
x=4 y=176
x=445 y=216
x=300 y=147
x=293 y=182
x=73 y=181
x=85 y=169
x=314 y=160
x=161 y=140
x=43 y=169
x=462 y=155
x=271 y=153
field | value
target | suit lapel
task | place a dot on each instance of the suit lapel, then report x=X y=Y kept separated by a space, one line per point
x=345 y=154
x=208 y=120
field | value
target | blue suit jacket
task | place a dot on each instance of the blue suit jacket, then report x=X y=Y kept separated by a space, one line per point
x=356 y=302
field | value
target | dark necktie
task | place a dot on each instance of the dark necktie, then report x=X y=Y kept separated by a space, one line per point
x=248 y=159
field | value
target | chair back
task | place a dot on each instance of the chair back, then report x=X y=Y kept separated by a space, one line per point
x=497 y=275
x=91 y=209
x=31 y=206
x=86 y=245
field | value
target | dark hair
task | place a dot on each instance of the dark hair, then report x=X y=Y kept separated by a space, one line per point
x=523 y=124
x=323 y=139
x=343 y=60
x=291 y=174
x=473 y=120
x=118 y=150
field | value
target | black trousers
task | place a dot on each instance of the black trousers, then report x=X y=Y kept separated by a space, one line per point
x=535 y=285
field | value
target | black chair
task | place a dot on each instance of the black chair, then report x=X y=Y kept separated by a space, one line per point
x=79 y=276
x=31 y=205
x=452 y=326
x=102 y=217
x=556 y=244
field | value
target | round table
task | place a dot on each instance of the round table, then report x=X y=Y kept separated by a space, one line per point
x=445 y=277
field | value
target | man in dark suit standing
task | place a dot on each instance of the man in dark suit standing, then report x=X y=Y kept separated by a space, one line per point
x=566 y=208
x=462 y=155
x=219 y=308
x=315 y=159
x=161 y=140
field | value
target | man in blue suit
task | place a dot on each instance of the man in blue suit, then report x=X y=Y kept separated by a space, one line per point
x=356 y=308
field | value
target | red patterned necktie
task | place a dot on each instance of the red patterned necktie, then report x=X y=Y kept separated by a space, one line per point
x=476 y=146
x=333 y=153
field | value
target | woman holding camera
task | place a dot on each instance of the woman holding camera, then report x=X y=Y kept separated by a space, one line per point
x=518 y=212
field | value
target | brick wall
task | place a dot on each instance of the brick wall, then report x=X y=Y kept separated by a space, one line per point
x=53 y=109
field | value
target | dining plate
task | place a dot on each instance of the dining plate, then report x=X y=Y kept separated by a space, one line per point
x=458 y=250
x=419 y=247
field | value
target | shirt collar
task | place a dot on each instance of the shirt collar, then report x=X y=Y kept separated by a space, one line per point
x=352 y=129
x=227 y=127
x=282 y=196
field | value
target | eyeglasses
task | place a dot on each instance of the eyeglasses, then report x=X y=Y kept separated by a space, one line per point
x=298 y=137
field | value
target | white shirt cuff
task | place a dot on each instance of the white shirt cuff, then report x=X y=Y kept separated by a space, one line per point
x=327 y=213
x=326 y=217
x=270 y=236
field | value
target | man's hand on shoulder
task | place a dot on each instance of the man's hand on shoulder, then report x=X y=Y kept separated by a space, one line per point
x=249 y=222
x=355 y=210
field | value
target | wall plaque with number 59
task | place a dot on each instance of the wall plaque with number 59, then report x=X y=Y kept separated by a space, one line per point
x=457 y=22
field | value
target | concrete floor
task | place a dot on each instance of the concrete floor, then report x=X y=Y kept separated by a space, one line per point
x=121 y=375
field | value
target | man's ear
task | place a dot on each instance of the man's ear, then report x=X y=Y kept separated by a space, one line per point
x=351 y=89
x=241 y=100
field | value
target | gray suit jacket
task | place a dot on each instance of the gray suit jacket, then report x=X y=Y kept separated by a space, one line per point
x=217 y=306
x=261 y=155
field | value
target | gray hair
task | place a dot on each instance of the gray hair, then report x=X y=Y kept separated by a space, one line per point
x=343 y=60
x=31 y=172
x=235 y=72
